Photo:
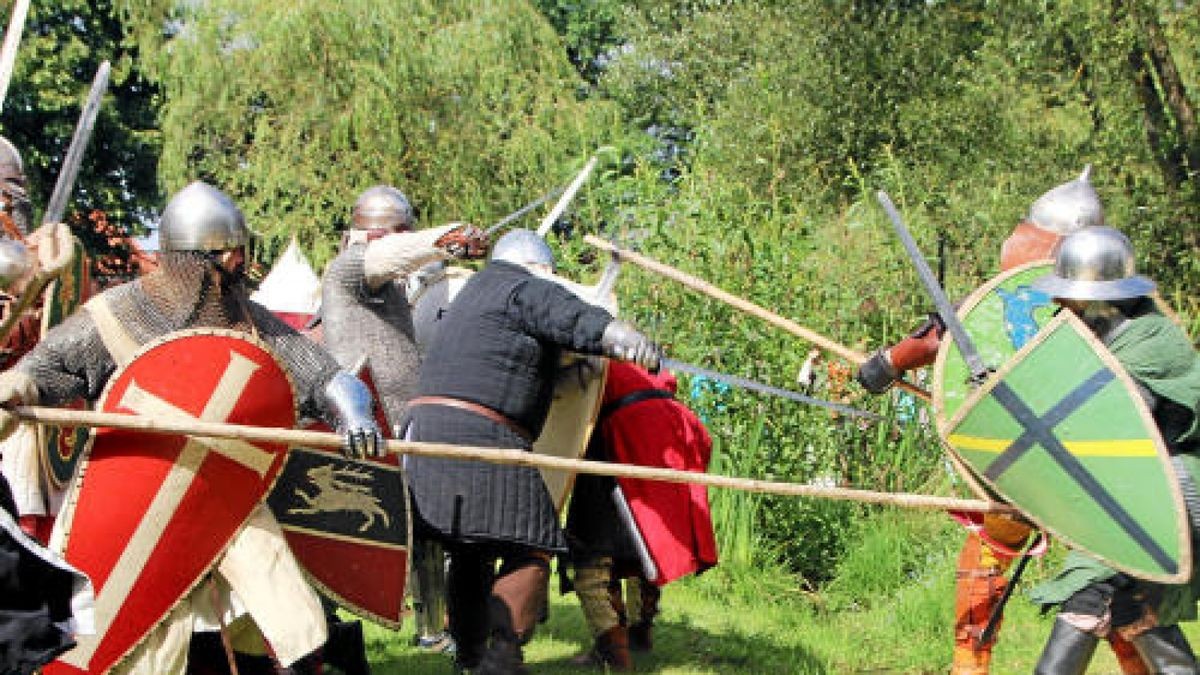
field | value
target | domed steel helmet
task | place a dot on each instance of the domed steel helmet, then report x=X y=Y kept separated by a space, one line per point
x=383 y=207
x=523 y=247
x=201 y=218
x=14 y=261
x=10 y=160
x=1069 y=207
x=1095 y=263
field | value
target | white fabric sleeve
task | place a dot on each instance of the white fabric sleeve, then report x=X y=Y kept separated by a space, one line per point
x=396 y=255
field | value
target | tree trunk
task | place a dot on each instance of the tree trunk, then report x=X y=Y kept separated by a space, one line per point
x=1173 y=88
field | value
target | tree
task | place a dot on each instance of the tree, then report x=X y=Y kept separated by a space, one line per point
x=63 y=45
x=294 y=108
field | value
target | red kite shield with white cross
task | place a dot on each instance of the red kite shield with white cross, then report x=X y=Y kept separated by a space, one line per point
x=151 y=513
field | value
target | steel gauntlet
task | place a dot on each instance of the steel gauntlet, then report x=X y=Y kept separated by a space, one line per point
x=622 y=341
x=350 y=400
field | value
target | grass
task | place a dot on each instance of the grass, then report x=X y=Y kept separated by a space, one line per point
x=888 y=610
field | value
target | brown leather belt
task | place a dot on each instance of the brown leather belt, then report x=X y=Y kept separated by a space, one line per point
x=471 y=406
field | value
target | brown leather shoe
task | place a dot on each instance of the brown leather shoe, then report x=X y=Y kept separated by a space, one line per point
x=611 y=650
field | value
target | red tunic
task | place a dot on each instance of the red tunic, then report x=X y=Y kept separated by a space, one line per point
x=674 y=518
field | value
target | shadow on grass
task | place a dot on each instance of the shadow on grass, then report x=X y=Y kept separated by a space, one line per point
x=681 y=645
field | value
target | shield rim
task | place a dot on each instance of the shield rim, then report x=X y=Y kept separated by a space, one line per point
x=391 y=623
x=1181 y=520
x=70 y=501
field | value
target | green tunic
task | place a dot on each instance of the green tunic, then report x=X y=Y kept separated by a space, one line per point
x=1160 y=357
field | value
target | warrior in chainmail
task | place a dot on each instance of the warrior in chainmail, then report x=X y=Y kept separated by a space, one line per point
x=199 y=283
x=28 y=259
x=488 y=380
x=364 y=313
x=1094 y=277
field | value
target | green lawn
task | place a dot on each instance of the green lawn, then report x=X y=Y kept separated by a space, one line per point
x=759 y=622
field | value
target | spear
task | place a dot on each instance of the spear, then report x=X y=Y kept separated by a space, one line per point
x=746 y=306
x=319 y=439
x=12 y=38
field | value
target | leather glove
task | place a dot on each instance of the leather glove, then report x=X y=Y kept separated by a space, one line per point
x=350 y=400
x=465 y=241
x=877 y=374
x=621 y=340
x=16 y=388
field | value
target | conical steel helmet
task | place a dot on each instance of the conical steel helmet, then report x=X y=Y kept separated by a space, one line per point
x=201 y=218
x=523 y=247
x=383 y=207
x=1069 y=207
x=1095 y=263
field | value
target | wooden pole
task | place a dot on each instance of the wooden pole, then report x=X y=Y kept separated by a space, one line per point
x=320 y=439
x=8 y=51
x=855 y=357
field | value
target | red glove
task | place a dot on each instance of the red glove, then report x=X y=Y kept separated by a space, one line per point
x=465 y=241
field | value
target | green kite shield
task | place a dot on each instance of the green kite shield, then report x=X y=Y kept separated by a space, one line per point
x=1001 y=317
x=1061 y=432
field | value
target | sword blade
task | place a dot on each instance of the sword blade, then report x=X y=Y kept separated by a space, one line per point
x=962 y=340
x=520 y=213
x=565 y=200
x=83 y=133
x=754 y=385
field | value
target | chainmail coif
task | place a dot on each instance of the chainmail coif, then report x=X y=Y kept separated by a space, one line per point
x=185 y=296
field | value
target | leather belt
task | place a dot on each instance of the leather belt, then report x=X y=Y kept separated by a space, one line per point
x=471 y=406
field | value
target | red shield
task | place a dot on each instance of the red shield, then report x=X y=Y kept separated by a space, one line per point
x=152 y=513
x=347 y=523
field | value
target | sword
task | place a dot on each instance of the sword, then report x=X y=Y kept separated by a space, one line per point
x=566 y=198
x=83 y=133
x=993 y=623
x=979 y=370
x=12 y=38
x=520 y=213
x=754 y=385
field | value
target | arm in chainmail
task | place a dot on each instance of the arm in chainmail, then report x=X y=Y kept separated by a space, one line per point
x=398 y=255
x=71 y=362
x=310 y=366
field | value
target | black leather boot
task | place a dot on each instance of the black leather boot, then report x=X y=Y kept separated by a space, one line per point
x=1068 y=651
x=1166 y=651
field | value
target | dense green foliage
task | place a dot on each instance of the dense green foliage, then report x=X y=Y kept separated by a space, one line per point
x=297 y=107
x=62 y=46
x=745 y=143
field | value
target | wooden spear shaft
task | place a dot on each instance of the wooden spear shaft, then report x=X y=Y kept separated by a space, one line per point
x=694 y=283
x=8 y=51
x=321 y=439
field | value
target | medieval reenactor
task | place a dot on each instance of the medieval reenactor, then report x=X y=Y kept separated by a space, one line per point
x=42 y=599
x=1095 y=278
x=993 y=541
x=487 y=380
x=200 y=282
x=28 y=255
x=364 y=310
x=365 y=314
x=640 y=422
